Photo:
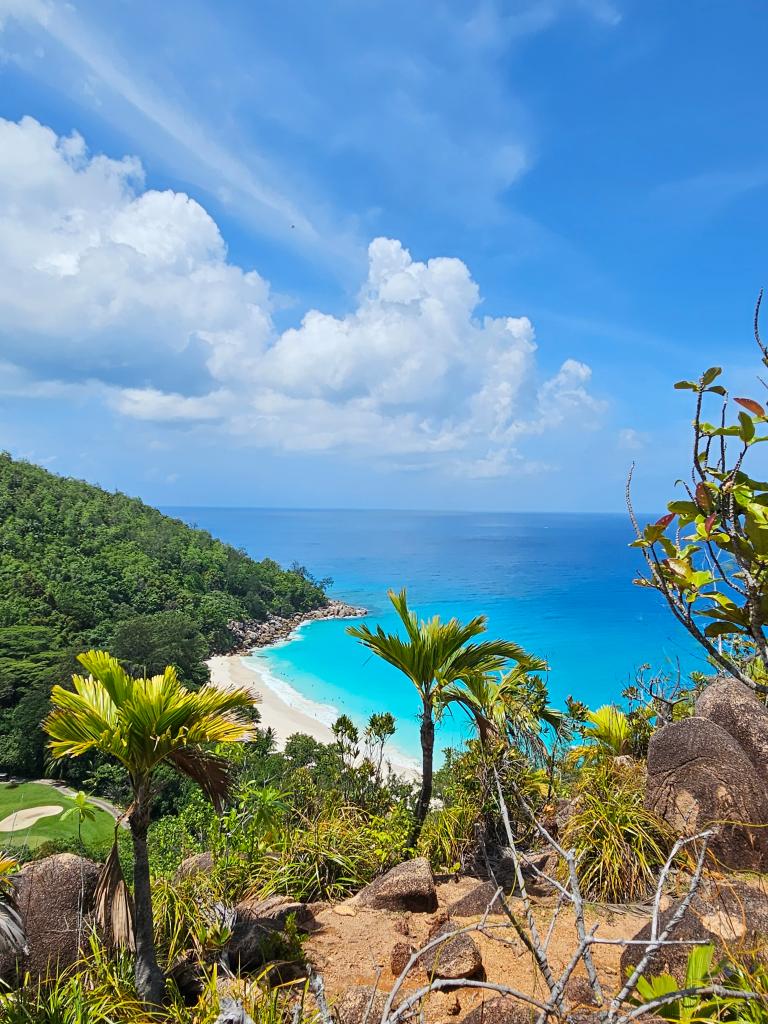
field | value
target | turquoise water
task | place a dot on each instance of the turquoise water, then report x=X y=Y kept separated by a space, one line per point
x=560 y=585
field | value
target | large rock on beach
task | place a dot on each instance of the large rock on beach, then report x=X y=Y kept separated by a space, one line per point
x=409 y=886
x=251 y=633
x=55 y=900
x=730 y=914
x=700 y=777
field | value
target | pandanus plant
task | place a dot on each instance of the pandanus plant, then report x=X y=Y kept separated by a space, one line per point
x=143 y=723
x=434 y=654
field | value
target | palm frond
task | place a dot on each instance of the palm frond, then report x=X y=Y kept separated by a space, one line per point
x=211 y=773
x=113 y=903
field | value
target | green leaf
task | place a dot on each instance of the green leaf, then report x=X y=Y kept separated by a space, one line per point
x=682 y=508
x=721 y=629
x=687 y=385
x=711 y=374
x=747 y=431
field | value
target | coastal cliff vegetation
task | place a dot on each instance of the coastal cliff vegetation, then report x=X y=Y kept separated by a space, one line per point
x=81 y=567
x=573 y=864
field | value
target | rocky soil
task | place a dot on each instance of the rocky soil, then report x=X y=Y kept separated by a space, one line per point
x=252 y=633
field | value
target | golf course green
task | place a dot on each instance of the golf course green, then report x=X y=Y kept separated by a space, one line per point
x=17 y=831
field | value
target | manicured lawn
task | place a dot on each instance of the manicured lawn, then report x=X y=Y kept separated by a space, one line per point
x=32 y=794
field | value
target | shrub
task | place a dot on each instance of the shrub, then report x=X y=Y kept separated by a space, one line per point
x=620 y=844
x=332 y=857
x=448 y=835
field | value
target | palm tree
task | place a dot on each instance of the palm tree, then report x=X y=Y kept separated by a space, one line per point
x=608 y=733
x=143 y=723
x=509 y=707
x=433 y=654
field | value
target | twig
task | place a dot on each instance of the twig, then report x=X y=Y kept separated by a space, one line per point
x=654 y=945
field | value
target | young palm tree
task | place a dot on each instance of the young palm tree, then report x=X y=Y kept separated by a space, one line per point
x=143 y=723
x=433 y=654
x=508 y=707
x=608 y=734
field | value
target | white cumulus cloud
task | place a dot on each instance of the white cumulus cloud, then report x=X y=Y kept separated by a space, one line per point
x=131 y=290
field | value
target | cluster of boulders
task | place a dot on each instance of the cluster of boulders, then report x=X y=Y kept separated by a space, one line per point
x=252 y=633
x=708 y=772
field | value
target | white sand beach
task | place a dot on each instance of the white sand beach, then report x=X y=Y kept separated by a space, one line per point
x=284 y=718
x=281 y=717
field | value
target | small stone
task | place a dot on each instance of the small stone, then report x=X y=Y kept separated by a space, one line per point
x=399 y=957
x=457 y=957
x=500 y=1010
x=362 y=1004
x=476 y=901
x=402 y=924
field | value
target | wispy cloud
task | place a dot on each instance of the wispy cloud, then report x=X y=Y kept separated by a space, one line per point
x=703 y=196
x=188 y=144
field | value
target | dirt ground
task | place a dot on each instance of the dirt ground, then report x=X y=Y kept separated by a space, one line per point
x=353 y=945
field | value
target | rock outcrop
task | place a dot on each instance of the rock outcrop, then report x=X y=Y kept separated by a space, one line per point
x=252 y=633
x=55 y=900
x=409 y=886
x=700 y=777
x=198 y=863
x=734 y=707
x=730 y=914
x=257 y=926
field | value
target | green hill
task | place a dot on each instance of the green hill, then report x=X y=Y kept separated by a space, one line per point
x=82 y=567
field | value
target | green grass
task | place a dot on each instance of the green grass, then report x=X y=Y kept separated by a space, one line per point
x=13 y=798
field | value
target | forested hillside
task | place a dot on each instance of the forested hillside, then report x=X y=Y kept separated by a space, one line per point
x=80 y=567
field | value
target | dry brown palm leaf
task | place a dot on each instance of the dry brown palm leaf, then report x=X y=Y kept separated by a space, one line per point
x=211 y=773
x=114 y=906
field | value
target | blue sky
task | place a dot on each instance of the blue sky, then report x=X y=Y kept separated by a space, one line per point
x=352 y=253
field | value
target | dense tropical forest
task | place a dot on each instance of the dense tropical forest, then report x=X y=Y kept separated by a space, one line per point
x=81 y=567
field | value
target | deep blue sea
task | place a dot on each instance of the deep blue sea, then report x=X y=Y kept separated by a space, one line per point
x=560 y=585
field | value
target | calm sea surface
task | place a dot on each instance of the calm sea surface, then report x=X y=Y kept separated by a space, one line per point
x=560 y=585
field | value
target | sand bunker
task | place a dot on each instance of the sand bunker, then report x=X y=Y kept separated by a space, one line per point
x=28 y=816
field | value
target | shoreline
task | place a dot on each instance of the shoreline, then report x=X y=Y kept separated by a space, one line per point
x=282 y=708
x=252 y=634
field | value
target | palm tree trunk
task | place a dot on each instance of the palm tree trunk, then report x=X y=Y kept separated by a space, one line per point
x=427 y=734
x=150 y=982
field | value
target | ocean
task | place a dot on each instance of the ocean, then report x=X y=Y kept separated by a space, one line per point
x=559 y=585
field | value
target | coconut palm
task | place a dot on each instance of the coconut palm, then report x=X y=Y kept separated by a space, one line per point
x=144 y=723
x=433 y=654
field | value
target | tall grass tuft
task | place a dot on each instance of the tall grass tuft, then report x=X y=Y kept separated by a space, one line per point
x=620 y=844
